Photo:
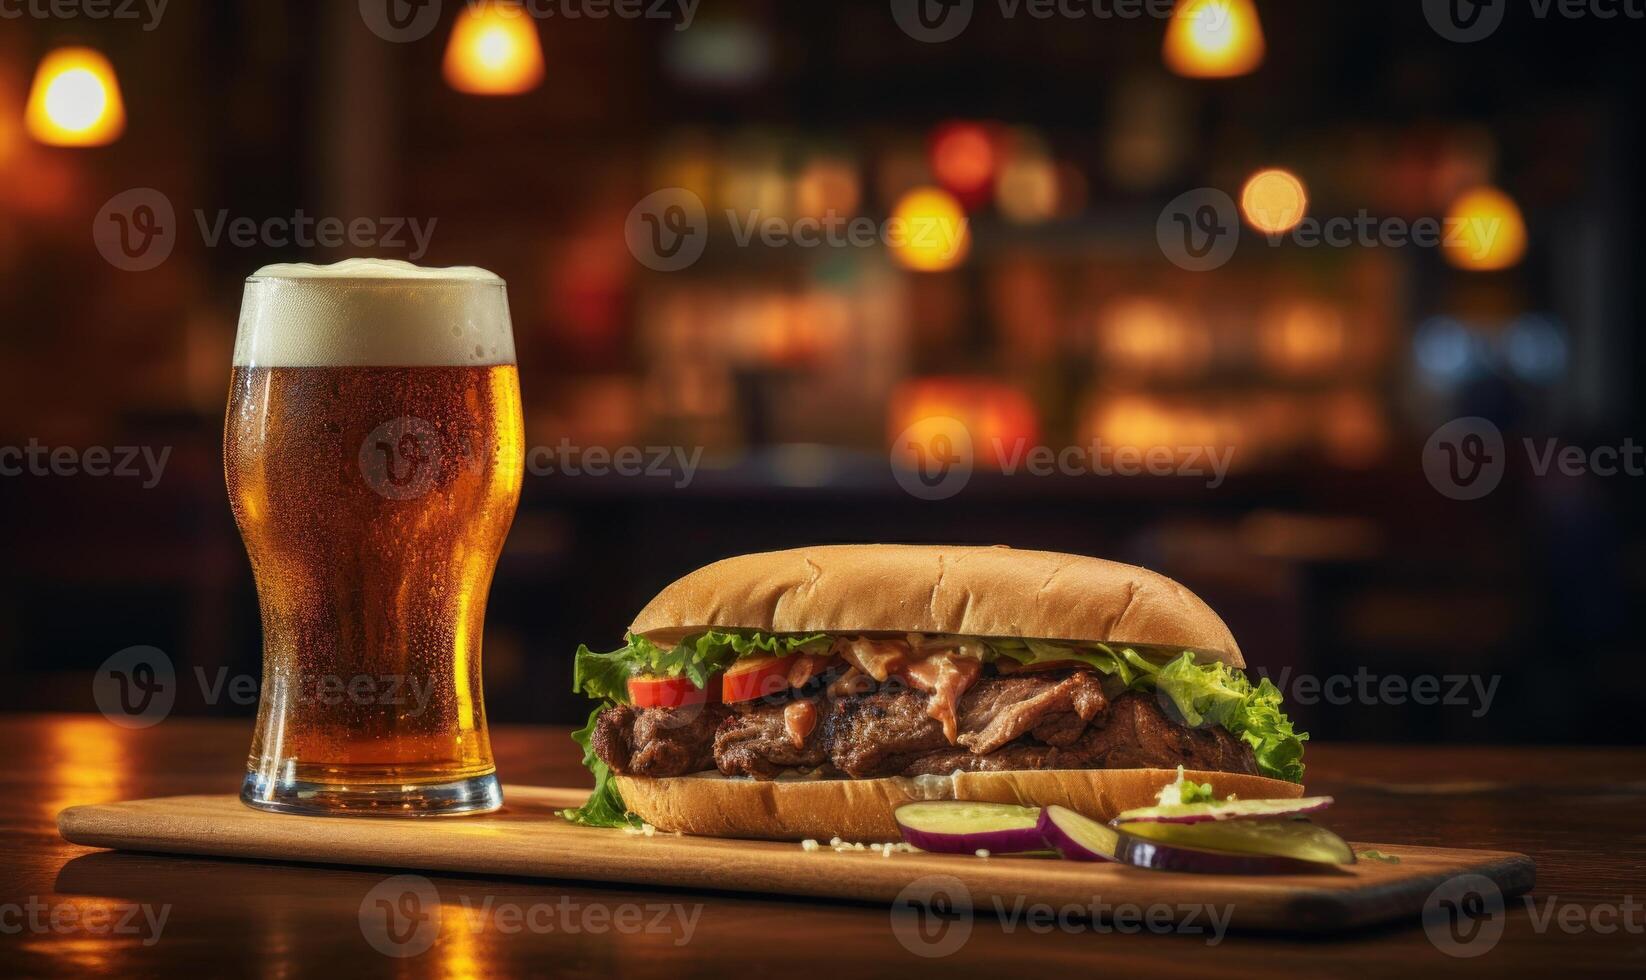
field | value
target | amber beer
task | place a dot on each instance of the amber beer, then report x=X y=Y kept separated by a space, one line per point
x=373 y=453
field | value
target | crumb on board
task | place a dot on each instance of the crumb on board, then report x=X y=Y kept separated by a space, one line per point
x=982 y=852
x=840 y=846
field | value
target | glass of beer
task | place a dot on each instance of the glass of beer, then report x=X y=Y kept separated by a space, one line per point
x=373 y=453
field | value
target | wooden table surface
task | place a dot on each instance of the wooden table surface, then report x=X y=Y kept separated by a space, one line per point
x=1580 y=813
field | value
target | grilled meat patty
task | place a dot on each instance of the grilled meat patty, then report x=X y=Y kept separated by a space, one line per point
x=657 y=741
x=1049 y=720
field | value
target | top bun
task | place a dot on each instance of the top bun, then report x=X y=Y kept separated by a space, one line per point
x=973 y=591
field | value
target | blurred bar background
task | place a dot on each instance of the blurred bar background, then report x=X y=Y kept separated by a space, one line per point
x=795 y=368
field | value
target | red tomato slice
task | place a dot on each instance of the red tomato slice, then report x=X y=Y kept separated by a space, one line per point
x=665 y=692
x=755 y=678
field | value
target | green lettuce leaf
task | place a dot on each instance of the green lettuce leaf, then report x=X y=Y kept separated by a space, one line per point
x=605 y=806
x=1222 y=695
x=1212 y=693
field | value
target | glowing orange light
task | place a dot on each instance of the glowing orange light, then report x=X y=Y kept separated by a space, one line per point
x=1145 y=335
x=827 y=186
x=963 y=157
x=75 y=100
x=998 y=422
x=1214 y=39
x=1486 y=231
x=1274 y=201
x=1304 y=337
x=494 y=50
x=928 y=231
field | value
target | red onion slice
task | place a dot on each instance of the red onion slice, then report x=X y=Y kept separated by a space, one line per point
x=1076 y=837
x=961 y=827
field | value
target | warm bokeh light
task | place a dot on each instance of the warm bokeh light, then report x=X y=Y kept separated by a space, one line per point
x=1214 y=39
x=1000 y=420
x=1274 y=201
x=494 y=50
x=1146 y=336
x=1485 y=231
x=929 y=231
x=964 y=157
x=75 y=100
x=827 y=186
x=1304 y=338
x=1026 y=189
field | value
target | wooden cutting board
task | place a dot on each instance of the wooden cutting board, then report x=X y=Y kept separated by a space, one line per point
x=526 y=839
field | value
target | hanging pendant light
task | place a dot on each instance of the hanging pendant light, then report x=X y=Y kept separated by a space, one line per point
x=75 y=100
x=494 y=50
x=1214 y=39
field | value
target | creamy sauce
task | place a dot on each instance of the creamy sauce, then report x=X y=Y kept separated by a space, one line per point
x=799 y=719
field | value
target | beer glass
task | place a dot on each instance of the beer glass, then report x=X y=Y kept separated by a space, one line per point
x=373 y=454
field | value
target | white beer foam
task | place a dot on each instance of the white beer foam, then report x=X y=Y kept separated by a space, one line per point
x=373 y=313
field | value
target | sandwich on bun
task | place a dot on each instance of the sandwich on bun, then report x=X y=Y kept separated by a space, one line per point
x=808 y=693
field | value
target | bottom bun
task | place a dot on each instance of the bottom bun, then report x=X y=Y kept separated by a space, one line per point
x=860 y=810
